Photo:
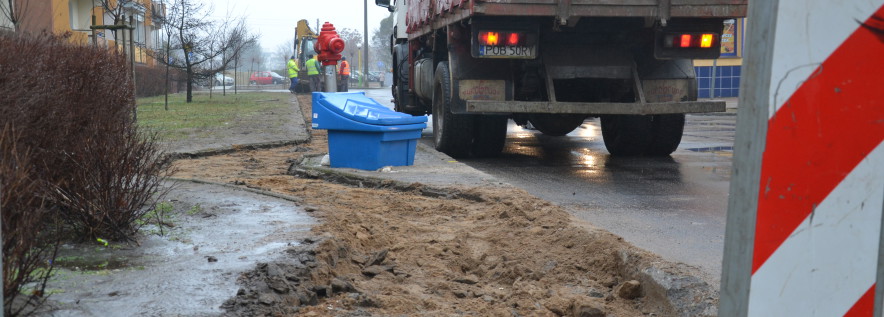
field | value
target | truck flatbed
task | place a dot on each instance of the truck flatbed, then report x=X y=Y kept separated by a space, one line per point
x=425 y=15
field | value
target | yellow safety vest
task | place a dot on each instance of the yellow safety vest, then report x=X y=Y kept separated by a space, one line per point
x=345 y=68
x=293 y=69
x=312 y=67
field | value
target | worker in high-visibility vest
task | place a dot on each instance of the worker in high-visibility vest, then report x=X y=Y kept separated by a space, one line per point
x=292 y=67
x=344 y=75
x=313 y=71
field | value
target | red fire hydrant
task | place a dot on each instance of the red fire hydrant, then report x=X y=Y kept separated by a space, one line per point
x=329 y=47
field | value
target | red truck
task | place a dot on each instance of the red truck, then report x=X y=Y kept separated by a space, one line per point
x=551 y=64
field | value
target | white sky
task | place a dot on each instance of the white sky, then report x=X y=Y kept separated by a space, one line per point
x=275 y=20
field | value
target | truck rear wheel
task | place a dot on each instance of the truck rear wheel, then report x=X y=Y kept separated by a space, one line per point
x=489 y=135
x=667 y=130
x=642 y=135
x=452 y=133
x=556 y=124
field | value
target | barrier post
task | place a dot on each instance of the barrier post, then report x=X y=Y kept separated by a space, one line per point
x=752 y=117
x=804 y=226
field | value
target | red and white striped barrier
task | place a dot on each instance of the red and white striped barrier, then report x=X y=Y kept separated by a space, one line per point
x=813 y=222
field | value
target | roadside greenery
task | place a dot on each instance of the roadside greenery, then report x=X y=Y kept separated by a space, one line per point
x=204 y=113
x=74 y=166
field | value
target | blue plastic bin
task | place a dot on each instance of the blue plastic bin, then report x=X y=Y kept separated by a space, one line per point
x=364 y=134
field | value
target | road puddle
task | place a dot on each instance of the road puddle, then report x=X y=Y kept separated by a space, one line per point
x=191 y=269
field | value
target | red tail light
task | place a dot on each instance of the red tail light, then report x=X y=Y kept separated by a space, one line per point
x=498 y=38
x=685 y=40
x=512 y=39
x=690 y=40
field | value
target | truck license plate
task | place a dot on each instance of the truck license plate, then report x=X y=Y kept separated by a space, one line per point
x=507 y=51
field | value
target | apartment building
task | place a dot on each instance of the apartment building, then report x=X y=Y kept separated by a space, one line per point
x=75 y=17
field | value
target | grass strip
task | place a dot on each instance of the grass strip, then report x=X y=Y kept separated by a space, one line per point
x=183 y=120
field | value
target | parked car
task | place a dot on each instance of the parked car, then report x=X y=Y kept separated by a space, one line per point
x=221 y=78
x=377 y=76
x=354 y=77
x=266 y=78
x=373 y=76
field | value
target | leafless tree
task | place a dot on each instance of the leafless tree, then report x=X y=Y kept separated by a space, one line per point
x=380 y=42
x=282 y=54
x=352 y=40
x=199 y=45
x=158 y=13
x=253 y=56
x=13 y=11
x=118 y=9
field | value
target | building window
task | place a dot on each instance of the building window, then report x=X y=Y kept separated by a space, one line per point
x=139 y=29
x=155 y=35
x=80 y=14
x=108 y=20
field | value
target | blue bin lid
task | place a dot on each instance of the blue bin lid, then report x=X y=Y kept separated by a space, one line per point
x=357 y=107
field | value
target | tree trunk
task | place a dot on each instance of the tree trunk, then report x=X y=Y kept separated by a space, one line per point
x=189 y=83
x=167 y=82
x=224 y=84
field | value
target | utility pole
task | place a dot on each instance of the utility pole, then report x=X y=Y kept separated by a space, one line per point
x=366 y=46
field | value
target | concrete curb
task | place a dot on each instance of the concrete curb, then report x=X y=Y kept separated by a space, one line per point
x=352 y=179
x=685 y=294
x=253 y=190
x=234 y=148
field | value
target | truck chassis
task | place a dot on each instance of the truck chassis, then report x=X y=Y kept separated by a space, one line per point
x=570 y=60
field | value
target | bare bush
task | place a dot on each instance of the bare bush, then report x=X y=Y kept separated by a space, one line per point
x=112 y=188
x=73 y=106
x=27 y=246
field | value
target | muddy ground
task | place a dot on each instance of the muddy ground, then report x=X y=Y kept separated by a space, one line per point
x=392 y=249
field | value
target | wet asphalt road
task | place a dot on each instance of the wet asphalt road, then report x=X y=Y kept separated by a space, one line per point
x=673 y=206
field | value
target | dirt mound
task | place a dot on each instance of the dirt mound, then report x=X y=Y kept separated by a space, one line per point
x=511 y=253
x=399 y=251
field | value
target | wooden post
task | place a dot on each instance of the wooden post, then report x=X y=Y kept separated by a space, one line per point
x=223 y=77
x=94 y=37
x=132 y=45
x=132 y=61
x=121 y=41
